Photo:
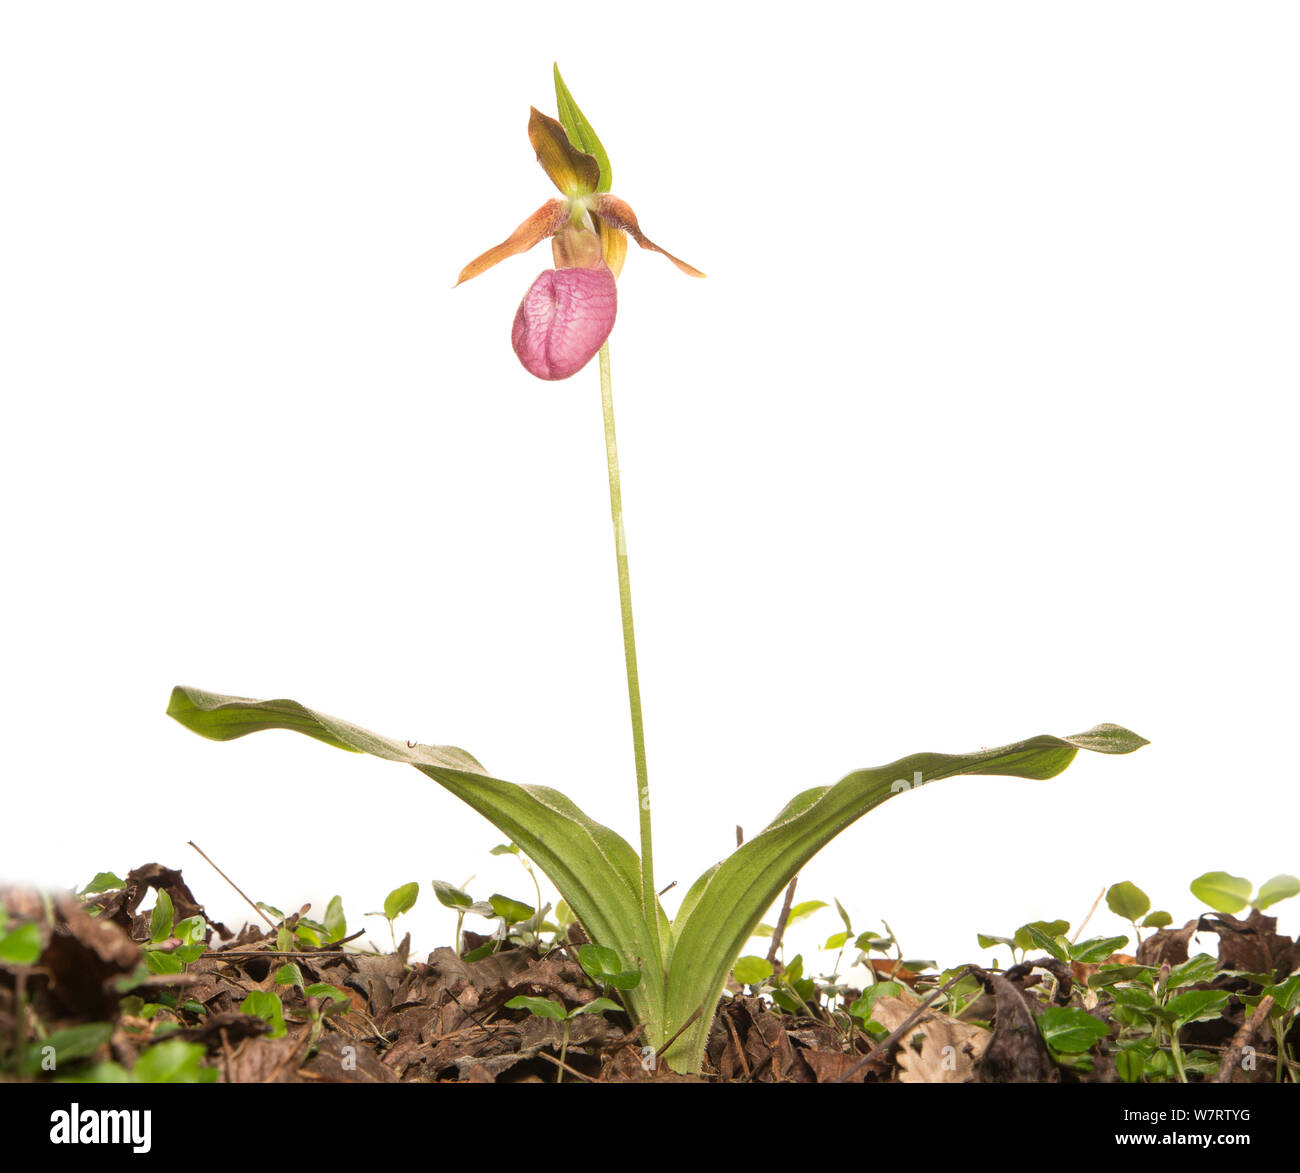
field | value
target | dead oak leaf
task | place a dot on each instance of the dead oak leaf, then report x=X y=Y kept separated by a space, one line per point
x=937 y=1049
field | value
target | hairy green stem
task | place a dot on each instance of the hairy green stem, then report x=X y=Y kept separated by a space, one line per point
x=648 y=898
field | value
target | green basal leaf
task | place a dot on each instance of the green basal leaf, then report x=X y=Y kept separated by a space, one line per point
x=746 y=884
x=160 y=920
x=989 y=942
x=266 y=1004
x=1278 y=888
x=599 y=875
x=1069 y=1030
x=1222 y=892
x=595 y=870
x=837 y=940
x=1157 y=920
x=580 y=132
x=1127 y=900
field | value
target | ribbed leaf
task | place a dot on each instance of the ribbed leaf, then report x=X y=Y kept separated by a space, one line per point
x=733 y=899
x=595 y=870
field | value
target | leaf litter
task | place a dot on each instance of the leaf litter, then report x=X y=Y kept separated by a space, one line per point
x=356 y=1017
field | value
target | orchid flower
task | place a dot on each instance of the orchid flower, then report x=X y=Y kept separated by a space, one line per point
x=568 y=312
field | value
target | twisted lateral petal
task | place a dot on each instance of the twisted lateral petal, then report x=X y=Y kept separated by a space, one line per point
x=565 y=317
x=546 y=221
x=616 y=213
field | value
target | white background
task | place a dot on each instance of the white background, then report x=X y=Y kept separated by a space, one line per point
x=982 y=426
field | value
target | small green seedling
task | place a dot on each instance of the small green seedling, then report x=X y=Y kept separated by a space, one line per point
x=509 y=913
x=1282 y=1017
x=266 y=1005
x=1020 y=941
x=1090 y=952
x=397 y=902
x=296 y=932
x=1070 y=1033
x=1129 y=901
x=172 y=946
x=1230 y=894
x=524 y=862
x=461 y=902
x=860 y=1011
x=103 y=882
x=838 y=940
x=550 y=1008
x=752 y=971
x=335 y=924
x=603 y=966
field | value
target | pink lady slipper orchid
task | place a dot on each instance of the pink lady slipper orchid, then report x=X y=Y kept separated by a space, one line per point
x=568 y=312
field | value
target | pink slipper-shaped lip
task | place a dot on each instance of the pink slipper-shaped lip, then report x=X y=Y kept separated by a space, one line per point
x=563 y=320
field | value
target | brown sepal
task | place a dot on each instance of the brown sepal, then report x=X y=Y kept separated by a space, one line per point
x=617 y=214
x=546 y=221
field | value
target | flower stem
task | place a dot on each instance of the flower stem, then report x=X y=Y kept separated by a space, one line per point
x=648 y=898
